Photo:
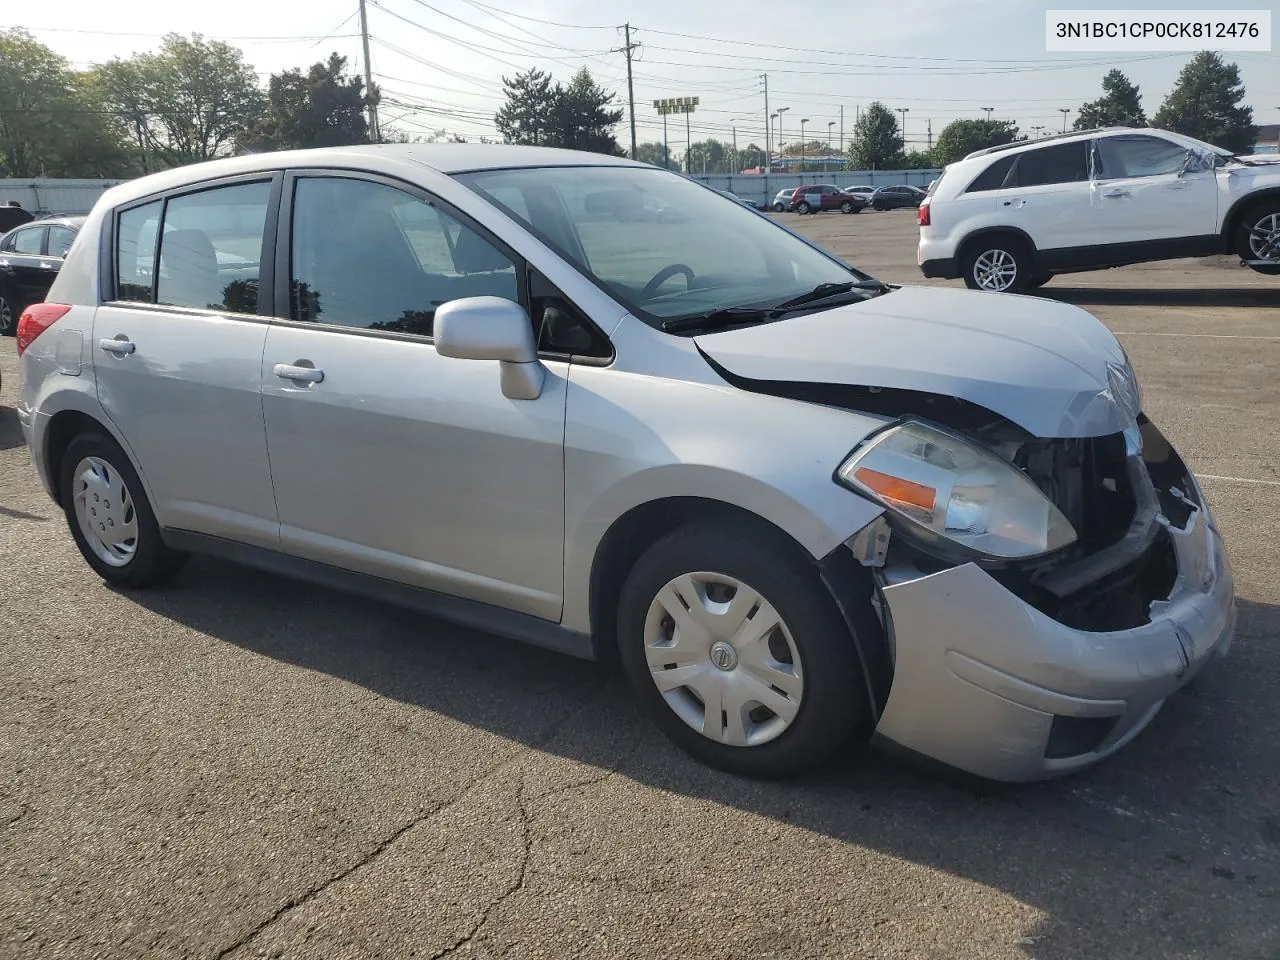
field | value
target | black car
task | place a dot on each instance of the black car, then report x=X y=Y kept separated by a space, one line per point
x=30 y=257
x=891 y=198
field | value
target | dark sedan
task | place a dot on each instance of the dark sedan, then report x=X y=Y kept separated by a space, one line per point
x=892 y=198
x=30 y=257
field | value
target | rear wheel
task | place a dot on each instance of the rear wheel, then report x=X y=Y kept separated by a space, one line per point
x=778 y=208
x=109 y=516
x=997 y=264
x=8 y=315
x=802 y=207
x=1259 y=237
x=736 y=649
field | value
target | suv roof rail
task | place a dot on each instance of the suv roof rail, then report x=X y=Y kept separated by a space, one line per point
x=1027 y=142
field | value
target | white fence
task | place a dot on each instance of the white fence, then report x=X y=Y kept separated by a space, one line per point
x=45 y=196
x=760 y=188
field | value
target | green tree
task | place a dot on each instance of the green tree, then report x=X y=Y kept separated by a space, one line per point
x=321 y=108
x=1119 y=106
x=750 y=157
x=586 y=116
x=710 y=156
x=917 y=160
x=877 y=141
x=654 y=154
x=528 y=116
x=1205 y=103
x=190 y=101
x=959 y=138
x=53 y=122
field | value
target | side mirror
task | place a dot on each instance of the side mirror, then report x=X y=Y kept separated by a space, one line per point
x=491 y=328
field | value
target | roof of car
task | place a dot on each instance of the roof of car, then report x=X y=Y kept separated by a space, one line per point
x=58 y=220
x=447 y=158
x=1055 y=138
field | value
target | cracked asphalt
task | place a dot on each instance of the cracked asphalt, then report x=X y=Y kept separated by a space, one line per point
x=241 y=766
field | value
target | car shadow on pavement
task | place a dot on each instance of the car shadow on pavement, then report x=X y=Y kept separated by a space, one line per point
x=1171 y=841
x=1165 y=296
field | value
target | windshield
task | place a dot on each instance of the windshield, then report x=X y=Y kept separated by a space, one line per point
x=664 y=246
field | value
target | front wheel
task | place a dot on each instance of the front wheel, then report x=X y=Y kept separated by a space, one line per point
x=846 y=206
x=997 y=265
x=1259 y=237
x=109 y=516
x=736 y=649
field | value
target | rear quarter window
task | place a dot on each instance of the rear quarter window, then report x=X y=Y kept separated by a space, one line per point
x=994 y=177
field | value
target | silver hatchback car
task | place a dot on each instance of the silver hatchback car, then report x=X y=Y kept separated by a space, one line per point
x=800 y=506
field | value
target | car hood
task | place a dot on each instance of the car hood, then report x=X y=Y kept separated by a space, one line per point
x=1041 y=364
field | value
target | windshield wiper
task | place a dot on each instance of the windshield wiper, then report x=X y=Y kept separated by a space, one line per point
x=723 y=317
x=825 y=291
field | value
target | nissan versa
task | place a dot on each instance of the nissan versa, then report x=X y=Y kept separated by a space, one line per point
x=595 y=406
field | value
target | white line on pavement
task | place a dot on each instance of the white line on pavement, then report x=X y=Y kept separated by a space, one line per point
x=1263 y=483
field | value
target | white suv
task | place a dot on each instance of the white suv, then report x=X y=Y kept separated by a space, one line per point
x=1010 y=217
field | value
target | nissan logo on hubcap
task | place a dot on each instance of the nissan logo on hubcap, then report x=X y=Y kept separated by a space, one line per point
x=723 y=655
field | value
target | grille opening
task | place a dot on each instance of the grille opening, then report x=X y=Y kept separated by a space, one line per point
x=1073 y=736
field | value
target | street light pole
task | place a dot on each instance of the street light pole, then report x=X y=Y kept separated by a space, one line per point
x=988 y=109
x=1064 y=111
x=802 y=144
x=782 y=147
x=904 y=111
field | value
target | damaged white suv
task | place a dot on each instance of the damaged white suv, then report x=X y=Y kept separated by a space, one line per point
x=1011 y=217
x=802 y=507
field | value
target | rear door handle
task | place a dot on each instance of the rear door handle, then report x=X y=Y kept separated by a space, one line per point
x=1116 y=194
x=290 y=371
x=121 y=346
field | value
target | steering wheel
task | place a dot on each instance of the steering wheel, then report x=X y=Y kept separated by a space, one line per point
x=662 y=276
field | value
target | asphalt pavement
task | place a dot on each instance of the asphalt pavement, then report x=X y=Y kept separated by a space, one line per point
x=241 y=766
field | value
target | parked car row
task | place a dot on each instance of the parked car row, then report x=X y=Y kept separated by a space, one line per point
x=30 y=257
x=815 y=198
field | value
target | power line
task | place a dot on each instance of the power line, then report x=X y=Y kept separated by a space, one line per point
x=548 y=23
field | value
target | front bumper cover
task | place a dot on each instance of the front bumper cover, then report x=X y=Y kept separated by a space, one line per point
x=980 y=675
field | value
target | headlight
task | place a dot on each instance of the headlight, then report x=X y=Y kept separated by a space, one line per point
x=957 y=490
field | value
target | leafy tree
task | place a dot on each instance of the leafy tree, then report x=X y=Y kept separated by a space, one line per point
x=750 y=157
x=321 y=108
x=917 y=160
x=577 y=117
x=877 y=142
x=53 y=122
x=653 y=153
x=959 y=138
x=586 y=119
x=711 y=156
x=1205 y=103
x=190 y=101
x=1119 y=106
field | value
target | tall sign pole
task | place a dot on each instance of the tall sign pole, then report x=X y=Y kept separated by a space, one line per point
x=670 y=105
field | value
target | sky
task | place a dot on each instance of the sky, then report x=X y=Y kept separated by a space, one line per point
x=440 y=63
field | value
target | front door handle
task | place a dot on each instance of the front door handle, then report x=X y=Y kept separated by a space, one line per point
x=1116 y=194
x=290 y=371
x=121 y=346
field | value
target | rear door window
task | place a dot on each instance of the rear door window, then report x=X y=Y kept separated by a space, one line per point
x=1062 y=163
x=135 y=253
x=211 y=248
x=60 y=240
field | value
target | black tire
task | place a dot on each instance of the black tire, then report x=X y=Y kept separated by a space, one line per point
x=1267 y=208
x=1038 y=281
x=9 y=313
x=846 y=206
x=833 y=707
x=995 y=245
x=779 y=208
x=802 y=207
x=152 y=562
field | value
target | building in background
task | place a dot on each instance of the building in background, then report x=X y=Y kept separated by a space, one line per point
x=1268 y=139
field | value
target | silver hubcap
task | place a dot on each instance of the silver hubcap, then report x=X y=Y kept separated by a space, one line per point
x=723 y=659
x=6 y=316
x=995 y=270
x=1264 y=238
x=104 y=510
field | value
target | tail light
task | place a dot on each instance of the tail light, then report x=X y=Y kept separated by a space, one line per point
x=922 y=214
x=36 y=319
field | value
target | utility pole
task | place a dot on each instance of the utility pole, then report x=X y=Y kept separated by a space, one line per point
x=768 y=129
x=930 y=129
x=374 y=135
x=631 y=90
